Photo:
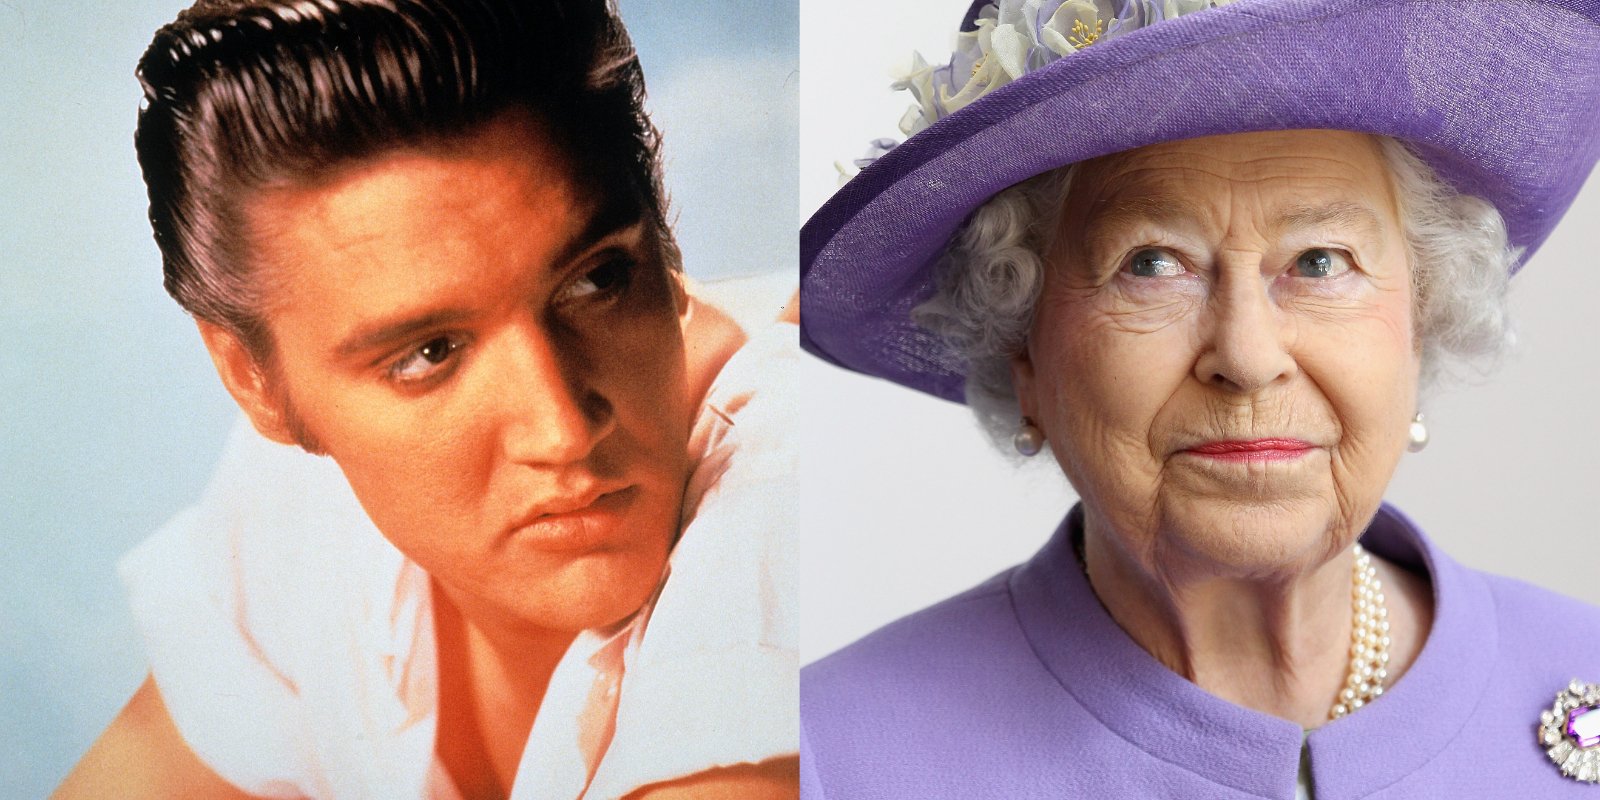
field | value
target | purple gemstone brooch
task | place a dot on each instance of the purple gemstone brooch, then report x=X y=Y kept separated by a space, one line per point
x=1569 y=731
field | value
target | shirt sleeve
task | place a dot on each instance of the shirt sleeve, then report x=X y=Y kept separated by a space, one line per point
x=292 y=643
x=715 y=679
x=189 y=587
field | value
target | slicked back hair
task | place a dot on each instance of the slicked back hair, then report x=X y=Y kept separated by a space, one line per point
x=241 y=95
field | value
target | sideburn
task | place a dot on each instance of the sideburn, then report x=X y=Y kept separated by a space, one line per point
x=272 y=379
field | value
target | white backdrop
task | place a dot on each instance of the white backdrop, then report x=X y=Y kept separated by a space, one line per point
x=907 y=503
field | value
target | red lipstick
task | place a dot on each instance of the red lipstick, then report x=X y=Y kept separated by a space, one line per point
x=1253 y=450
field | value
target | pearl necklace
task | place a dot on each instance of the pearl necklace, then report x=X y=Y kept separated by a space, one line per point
x=1369 y=640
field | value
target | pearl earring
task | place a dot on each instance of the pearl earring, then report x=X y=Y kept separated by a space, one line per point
x=1029 y=439
x=1418 y=434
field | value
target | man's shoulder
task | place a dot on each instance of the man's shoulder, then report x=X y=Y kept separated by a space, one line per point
x=276 y=557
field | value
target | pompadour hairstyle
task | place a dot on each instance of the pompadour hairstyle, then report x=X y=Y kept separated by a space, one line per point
x=245 y=94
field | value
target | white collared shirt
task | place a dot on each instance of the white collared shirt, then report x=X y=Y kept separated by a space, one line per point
x=294 y=645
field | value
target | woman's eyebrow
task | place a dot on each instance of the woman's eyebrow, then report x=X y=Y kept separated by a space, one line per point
x=1153 y=208
x=1340 y=214
x=1170 y=210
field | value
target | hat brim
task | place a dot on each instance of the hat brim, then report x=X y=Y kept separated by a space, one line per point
x=1500 y=97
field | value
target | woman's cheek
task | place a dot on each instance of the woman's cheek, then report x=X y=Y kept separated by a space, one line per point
x=1136 y=305
x=1108 y=387
x=1369 y=382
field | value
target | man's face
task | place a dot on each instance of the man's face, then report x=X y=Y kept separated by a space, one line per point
x=492 y=353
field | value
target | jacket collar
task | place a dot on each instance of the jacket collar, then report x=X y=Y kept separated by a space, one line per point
x=1162 y=713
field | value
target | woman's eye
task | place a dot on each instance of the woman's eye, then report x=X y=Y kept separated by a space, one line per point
x=612 y=275
x=1153 y=262
x=1321 y=263
x=425 y=359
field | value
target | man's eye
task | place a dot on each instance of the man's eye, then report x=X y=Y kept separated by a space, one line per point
x=1153 y=262
x=612 y=275
x=1321 y=263
x=425 y=359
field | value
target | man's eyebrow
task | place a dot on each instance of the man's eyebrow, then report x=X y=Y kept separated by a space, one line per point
x=384 y=333
x=608 y=220
x=1340 y=214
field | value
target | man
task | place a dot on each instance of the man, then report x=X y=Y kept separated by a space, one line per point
x=428 y=240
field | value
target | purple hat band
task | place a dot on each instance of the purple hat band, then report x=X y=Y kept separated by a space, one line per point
x=1500 y=97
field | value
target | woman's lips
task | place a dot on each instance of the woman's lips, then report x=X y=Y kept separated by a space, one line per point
x=1253 y=450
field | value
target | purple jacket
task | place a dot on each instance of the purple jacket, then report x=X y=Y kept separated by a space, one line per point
x=1024 y=687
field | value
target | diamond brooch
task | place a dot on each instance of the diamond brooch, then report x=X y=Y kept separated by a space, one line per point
x=1569 y=731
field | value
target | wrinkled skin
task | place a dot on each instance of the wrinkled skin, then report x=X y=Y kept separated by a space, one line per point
x=1232 y=288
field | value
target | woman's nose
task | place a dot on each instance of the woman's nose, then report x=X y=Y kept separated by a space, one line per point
x=553 y=414
x=1246 y=344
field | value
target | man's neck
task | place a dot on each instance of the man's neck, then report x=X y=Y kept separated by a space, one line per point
x=492 y=681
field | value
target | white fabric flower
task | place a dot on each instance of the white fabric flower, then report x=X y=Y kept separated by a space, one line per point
x=1012 y=38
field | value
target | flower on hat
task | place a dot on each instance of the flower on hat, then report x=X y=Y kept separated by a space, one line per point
x=1014 y=37
x=1010 y=39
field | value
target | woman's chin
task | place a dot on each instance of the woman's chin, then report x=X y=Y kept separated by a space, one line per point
x=1253 y=537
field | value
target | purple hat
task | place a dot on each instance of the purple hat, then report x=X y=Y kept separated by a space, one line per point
x=1500 y=97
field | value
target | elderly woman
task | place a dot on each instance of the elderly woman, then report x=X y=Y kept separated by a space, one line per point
x=428 y=239
x=1206 y=257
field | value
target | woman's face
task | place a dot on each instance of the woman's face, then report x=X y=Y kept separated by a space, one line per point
x=1223 y=357
x=492 y=353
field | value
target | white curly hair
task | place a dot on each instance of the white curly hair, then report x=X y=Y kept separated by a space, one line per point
x=989 y=278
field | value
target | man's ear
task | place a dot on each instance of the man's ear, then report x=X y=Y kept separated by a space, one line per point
x=680 y=291
x=246 y=381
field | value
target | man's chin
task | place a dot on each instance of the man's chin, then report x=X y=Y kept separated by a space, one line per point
x=596 y=592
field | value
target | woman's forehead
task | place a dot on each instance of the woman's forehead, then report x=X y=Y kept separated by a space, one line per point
x=1289 y=177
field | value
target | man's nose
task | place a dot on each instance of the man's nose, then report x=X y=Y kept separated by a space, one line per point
x=551 y=409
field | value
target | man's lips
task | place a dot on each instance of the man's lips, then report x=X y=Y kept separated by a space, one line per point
x=1273 y=449
x=575 y=522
